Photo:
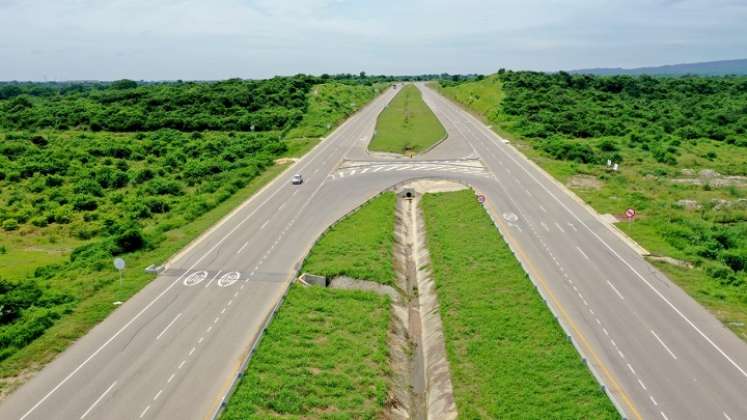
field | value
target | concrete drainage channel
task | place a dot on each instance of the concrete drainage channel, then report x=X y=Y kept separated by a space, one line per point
x=422 y=386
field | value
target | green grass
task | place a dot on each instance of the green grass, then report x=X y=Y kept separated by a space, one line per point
x=643 y=183
x=508 y=356
x=407 y=125
x=99 y=288
x=330 y=104
x=325 y=355
x=481 y=96
x=359 y=246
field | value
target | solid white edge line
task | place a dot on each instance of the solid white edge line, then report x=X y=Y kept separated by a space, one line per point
x=627 y=264
x=98 y=400
x=169 y=326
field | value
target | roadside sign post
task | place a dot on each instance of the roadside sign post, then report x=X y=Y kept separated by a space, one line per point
x=481 y=199
x=120 y=265
x=630 y=214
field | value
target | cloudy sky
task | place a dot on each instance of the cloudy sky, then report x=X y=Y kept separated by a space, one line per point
x=215 y=39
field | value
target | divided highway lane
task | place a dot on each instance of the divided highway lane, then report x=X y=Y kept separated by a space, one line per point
x=658 y=352
x=172 y=350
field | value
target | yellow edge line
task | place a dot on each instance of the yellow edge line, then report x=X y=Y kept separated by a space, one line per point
x=536 y=274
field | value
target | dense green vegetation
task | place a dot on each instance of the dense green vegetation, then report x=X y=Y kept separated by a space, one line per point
x=72 y=199
x=682 y=147
x=243 y=105
x=508 y=357
x=407 y=125
x=325 y=355
x=358 y=246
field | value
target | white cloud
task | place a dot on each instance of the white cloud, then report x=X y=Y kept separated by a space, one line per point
x=193 y=39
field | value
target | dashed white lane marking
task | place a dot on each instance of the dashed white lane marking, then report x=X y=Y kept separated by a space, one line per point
x=543 y=210
x=169 y=326
x=160 y=391
x=264 y=224
x=726 y=416
x=281 y=206
x=144 y=412
x=222 y=311
x=619 y=353
x=171 y=378
x=229 y=302
x=210 y=328
x=653 y=400
x=242 y=247
x=192 y=351
x=640 y=382
x=632 y=370
x=671 y=353
x=616 y=291
x=181 y=364
x=572 y=226
x=544 y=226
x=200 y=340
x=664 y=416
x=582 y=253
x=604 y=330
x=294 y=193
x=213 y=279
x=215 y=321
x=560 y=228
x=98 y=400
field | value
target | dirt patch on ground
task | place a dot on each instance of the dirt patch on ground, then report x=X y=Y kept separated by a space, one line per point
x=710 y=177
x=283 y=161
x=585 y=182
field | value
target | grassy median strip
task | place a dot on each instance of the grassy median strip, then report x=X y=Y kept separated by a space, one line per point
x=325 y=355
x=359 y=246
x=508 y=356
x=407 y=125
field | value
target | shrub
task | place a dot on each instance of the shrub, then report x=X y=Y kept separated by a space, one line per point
x=10 y=224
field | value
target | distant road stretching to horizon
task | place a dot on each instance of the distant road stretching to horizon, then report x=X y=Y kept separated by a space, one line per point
x=173 y=350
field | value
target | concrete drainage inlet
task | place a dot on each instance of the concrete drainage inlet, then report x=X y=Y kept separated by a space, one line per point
x=423 y=368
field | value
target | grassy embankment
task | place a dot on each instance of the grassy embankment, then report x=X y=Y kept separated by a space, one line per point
x=81 y=292
x=407 y=125
x=663 y=141
x=326 y=354
x=508 y=356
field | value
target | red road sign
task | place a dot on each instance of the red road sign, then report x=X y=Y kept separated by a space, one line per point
x=630 y=213
x=481 y=198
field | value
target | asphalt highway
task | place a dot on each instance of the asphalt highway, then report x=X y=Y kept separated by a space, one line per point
x=173 y=349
